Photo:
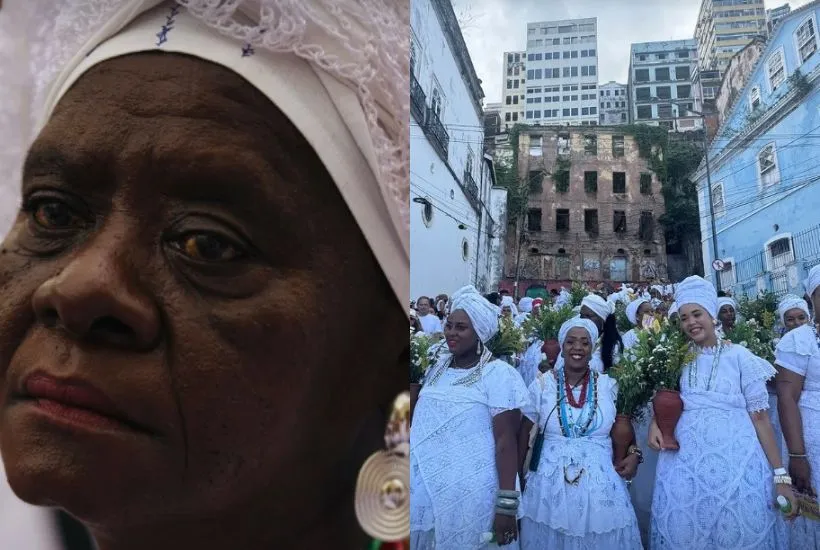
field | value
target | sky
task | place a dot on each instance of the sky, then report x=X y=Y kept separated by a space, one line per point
x=492 y=27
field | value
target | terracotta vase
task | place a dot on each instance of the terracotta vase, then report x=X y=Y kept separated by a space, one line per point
x=551 y=348
x=622 y=436
x=668 y=408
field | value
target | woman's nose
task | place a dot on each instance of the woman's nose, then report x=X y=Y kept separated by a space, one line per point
x=97 y=297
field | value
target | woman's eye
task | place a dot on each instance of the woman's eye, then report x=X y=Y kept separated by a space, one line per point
x=54 y=215
x=208 y=248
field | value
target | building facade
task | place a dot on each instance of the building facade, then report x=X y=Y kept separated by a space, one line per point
x=451 y=183
x=764 y=172
x=613 y=104
x=593 y=210
x=492 y=120
x=734 y=78
x=724 y=27
x=773 y=16
x=562 y=72
x=513 y=88
x=661 y=84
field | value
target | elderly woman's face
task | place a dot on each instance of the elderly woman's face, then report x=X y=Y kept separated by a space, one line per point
x=459 y=333
x=179 y=251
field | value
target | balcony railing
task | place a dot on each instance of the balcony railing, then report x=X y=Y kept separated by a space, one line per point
x=418 y=101
x=471 y=190
x=439 y=138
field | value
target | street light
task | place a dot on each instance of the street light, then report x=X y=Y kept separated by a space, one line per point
x=708 y=183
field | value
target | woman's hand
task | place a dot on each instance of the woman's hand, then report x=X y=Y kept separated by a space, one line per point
x=505 y=529
x=786 y=491
x=655 y=438
x=628 y=467
x=800 y=472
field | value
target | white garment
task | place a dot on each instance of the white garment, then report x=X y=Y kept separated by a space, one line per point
x=643 y=484
x=799 y=352
x=595 y=513
x=430 y=324
x=716 y=492
x=23 y=526
x=530 y=360
x=521 y=318
x=453 y=479
x=630 y=339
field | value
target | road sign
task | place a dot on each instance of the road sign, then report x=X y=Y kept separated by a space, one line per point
x=718 y=265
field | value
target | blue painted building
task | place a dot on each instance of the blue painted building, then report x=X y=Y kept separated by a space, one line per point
x=765 y=168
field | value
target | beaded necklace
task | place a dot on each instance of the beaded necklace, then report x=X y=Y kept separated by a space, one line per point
x=693 y=369
x=467 y=380
x=566 y=418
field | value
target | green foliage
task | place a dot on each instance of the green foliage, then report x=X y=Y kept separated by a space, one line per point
x=624 y=324
x=763 y=309
x=547 y=323
x=508 y=341
x=420 y=355
x=577 y=293
x=799 y=82
x=535 y=182
x=660 y=353
x=560 y=174
x=753 y=336
x=648 y=138
x=682 y=217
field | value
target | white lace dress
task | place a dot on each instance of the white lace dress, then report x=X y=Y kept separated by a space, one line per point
x=799 y=352
x=716 y=492
x=453 y=476
x=594 y=514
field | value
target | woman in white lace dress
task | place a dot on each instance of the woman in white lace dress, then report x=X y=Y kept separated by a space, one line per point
x=798 y=390
x=463 y=440
x=718 y=490
x=635 y=312
x=574 y=499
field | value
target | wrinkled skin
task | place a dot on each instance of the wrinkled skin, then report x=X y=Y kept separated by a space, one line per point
x=182 y=248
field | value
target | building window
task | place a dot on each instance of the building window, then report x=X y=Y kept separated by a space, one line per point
x=767 y=166
x=566 y=112
x=573 y=71
x=806 y=39
x=534 y=219
x=647 y=227
x=507 y=117
x=754 y=98
x=718 y=200
x=593 y=110
x=427 y=213
x=682 y=54
x=619 y=183
x=619 y=221
x=562 y=219
x=617 y=269
x=643 y=93
x=661 y=56
x=591 y=221
x=617 y=146
x=509 y=100
x=776 y=69
x=779 y=253
x=684 y=92
x=664 y=111
x=727 y=276
x=515 y=116
x=436 y=103
x=682 y=73
x=662 y=74
x=646 y=183
x=574 y=111
x=591 y=145
x=644 y=112
x=591 y=182
x=465 y=250
x=509 y=84
x=664 y=92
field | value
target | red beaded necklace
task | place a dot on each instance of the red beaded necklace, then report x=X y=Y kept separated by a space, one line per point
x=571 y=397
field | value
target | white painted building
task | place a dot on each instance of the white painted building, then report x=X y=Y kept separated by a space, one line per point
x=661 y=84
x=513 y=87
x=613 y=104
x=451 y=181
x=562 y=72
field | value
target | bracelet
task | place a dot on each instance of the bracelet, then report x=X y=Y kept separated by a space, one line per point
x=780 y=472
x=508 y=494
x=796 y=455
x=506 y=512
x=508 y=503
x=782 y=480
x=635 y=450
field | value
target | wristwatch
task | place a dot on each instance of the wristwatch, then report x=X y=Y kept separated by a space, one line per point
x=635 y=450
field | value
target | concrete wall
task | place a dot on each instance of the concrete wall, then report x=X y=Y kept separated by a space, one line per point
x=738 y=71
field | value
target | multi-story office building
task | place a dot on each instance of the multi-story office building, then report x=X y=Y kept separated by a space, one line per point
x=725 y=27
x=512 y=100
x=774 y=15
x=562 y=72
x=613 y=104
x=660 y=84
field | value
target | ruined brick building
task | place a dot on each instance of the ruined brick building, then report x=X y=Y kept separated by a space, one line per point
x=592 y=213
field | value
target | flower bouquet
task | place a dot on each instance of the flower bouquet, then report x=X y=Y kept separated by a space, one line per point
x=508 y=342
x=753 y=336
x=623 y=322
x=420 y=355
x=545 y=327
x=578 y=292
x=634 y=392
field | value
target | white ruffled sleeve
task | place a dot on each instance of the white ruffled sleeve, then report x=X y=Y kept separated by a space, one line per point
x=795 y=350
x=754 y=372
x=504 y=389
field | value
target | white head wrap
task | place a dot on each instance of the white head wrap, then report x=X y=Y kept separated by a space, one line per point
x=673 y=309
x=586 y=324
x=525 y=304
x=813 y=281
x=697 y=290
x=336 y=68
x=482 y=313
x=632 y=309
x=413 y=314
x=789 y=302
x=601 y=307
x=727 y=301
x=507 y=301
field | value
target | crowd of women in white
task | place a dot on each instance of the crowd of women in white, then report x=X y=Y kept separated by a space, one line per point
x=515 y=457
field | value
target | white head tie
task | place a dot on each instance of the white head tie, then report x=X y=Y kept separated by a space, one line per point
x=598 y=305
x=507 y=301
x=525 y=304
x=697 y=290
x=812 y=282
x=585 y=324
x=632 y=309
x=482 y=313
x=727 y=301
x=789 y=302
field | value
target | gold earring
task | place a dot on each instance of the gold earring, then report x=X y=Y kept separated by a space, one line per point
x=383 y=488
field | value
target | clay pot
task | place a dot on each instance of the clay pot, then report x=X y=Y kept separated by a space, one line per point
x=668 y=408
x=622 y=437
x=552 y=349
